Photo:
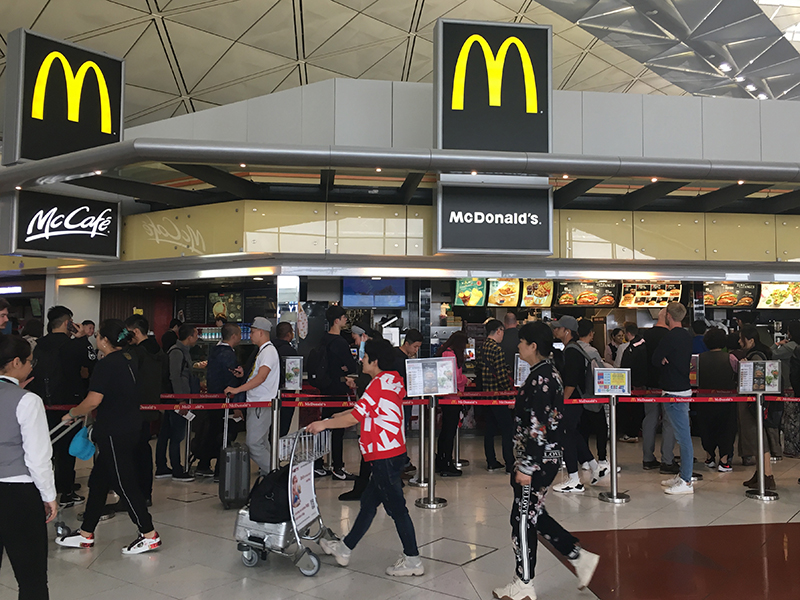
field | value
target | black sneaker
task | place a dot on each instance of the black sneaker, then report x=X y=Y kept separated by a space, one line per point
x=70 y=500
x=204 y=472
x=343 y=475
x=183 y=477
x=450 y=471
x=322 y=472
x=495 y=466
x=649 y=465
x=163 y=474
x=669 y=468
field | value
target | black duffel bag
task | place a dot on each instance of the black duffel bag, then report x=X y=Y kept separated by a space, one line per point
x=269 y=498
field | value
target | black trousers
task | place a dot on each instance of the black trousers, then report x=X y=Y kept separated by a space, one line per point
x=576 y=450
x=209 y=446
x=63 y=462
x=451 y=414
x=499 y=419
x=629 y=419
x=23 y=536
x=144 y=461
x=337 y=442
x=115 y=469
x=594 y=423
x=537 y=521
x=718 y=424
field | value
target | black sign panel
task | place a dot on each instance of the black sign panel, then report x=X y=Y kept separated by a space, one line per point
x=52 y=225
x=61 y=98
x=493 y=86
x=730 y=294
x=494 y=220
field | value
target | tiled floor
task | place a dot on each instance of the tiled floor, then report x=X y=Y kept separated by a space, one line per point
x=466 y=546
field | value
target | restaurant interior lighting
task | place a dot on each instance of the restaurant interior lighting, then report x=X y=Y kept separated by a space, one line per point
x=654 y=179
x=18 y=187
x=91 y=287
x=166 y=283
x=11 y=289
x=739 y=79
x=725 y=67
x=762 y=96
x=750 y=87
x=474 y=173
x=378 y=170
x=565 y=176
x=98 y=172
x=740 y=182
x=258 y=279
x=243 y=165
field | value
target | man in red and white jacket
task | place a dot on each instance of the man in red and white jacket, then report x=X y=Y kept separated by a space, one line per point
x=379 y=411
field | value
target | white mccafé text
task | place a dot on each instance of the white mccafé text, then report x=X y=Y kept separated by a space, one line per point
x=478 y=217
x=45 y=225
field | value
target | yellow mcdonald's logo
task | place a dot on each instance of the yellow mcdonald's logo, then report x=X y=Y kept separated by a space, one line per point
x=494 y=68
x=74 y=90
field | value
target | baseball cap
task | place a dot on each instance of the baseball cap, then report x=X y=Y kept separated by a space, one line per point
x=262 y=323
x=567 y=322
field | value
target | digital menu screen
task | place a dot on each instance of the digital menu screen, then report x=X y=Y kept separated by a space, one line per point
x=471 y=291
x=637 y=294
x=537 y=293
x=227 y=305
x=587 y=293
x=503 y=292
x=780 y=295
x=730 y=294
x=365 y=292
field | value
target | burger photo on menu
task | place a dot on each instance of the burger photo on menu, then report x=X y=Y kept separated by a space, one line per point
x=727 y=299
x=566 y=298
x=587 y=297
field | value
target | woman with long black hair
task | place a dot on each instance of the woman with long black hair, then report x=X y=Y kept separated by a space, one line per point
x=112 y=392
x=456 y=347
x=538 y=413
x=27 y=485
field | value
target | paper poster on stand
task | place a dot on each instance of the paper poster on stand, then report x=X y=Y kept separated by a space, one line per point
x=521 y=371
x=760 y=377
x=694 y=370
x=430 y=376
x=293 y=373
x=301 y=494
x=612 y=382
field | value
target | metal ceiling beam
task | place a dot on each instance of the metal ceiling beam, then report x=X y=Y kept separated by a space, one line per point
x=228 y=182
x=326 y=180
x=781 y=203
x=410 y=185
x=640 y=198
x=574 y=189
x=726 y=195
x=148 y=192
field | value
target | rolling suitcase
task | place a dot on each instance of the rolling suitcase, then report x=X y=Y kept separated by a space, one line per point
x=234 y=472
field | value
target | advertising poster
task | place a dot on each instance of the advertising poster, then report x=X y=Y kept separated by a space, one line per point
x=649 y=294
x=760 y=376
x=301 y=494
x=430 y=376
x=503 y=292
x=293 y=373
x=694 y=368
x=612 y=382
x=521 y=371
x=587 y=293
x=227 y=305
x=471 y=291
x=780 y=295
x=537 y=293
x=730 y=294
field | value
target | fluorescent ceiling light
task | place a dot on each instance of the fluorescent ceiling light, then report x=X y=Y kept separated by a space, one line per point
x=12 y=289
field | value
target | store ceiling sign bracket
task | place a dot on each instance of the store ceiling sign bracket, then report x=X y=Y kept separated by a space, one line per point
x=410 y=185
x=720 y=198
x=781 y=203
x=572 y=191
x=148 y=192
x=222 y=180
x=638 y=199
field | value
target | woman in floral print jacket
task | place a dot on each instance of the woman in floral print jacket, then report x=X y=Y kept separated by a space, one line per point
x=537 y=416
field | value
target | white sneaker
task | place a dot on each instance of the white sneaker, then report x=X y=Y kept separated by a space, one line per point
x=516 y=590
x=142 y=544
x=571 y=485
x=671 y=481
x=337 y=549
x=75 y=540
x=586 y=466
x=406 y=566
x=584 y=566
x=603 y=469
x=681 y=487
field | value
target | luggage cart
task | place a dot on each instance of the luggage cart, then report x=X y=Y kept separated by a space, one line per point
x=257 y=540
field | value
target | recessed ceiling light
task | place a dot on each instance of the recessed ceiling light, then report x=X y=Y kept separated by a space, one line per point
x=725 y=67
x=740 y=182
x=243 y=165
x=378 y=170
x=654 y=179
x=91 y=287
x=166 y=283
x=98 y=172
x=565 y=176
x=762 y=96
x=19 y=187
x=750 y=87
x=258 y=279
x=739 y=79
x=376 y=279
x=474 y=172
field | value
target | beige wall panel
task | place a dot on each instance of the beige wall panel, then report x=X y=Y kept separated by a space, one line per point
x=420 y=231
x=740 y=237
x=212 y=229
x=787 y=233
x=289 y=227
x=556 y=234
x=669 y=236
x=596 y=234
x=366 y=229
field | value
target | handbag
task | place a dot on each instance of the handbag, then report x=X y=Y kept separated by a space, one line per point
x=81 y=446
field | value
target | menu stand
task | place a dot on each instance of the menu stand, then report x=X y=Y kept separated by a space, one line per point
x=614 y=496
x=761 y=493
x=419 y=480
x=431 y=501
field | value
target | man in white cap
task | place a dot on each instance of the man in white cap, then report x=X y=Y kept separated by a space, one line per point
x=261 y=386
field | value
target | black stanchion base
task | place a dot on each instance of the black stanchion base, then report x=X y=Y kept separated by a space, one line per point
x=426 y=503
x=620 y=498
x=767 y=497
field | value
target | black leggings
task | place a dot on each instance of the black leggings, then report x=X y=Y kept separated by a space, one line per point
x=538 y=520
x=115 y=469
x=451 y=414
x=499 y=419
x=594 y=423
x=576 y=450
x=23 y=535
x=718 y=424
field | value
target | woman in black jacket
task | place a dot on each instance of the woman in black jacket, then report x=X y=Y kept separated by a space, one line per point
x=537 y=450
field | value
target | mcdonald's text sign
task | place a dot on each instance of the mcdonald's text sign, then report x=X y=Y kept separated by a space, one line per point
x=59 y=98
x=493 y=86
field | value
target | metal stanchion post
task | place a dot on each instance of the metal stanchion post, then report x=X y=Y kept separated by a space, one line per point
x=419 y=480
x=187 y=450
x=431 y=501
x=761 y=493
x=276 y=431
x=459 y=462
x=614 y=496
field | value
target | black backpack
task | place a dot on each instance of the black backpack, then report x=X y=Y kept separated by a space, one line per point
x=269 y=498
x=48 y=375
x=318 y=366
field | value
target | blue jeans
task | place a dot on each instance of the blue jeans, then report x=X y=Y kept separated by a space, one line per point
x=384 y=487
x=173 y=430
x=678 y=415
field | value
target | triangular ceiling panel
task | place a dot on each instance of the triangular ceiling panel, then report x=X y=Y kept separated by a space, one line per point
x=138 y=100
x=482 y=10
x=316 y=74
x=226 y=20
x=117 y=42
x=421 y=59
x=66 y=19
x=356 y=62
x=361 y=31
x=274 y=32
x=147 y=66
x=747 y=51
x=157 y=114
x=198 y=50
x=390 y=67
x=292 y=80
x=357 y=5
x=397 y=13
x=250 y=88
x=569 y=9
x=140 y=5
x=19 y=14
x=240 y=62
x=682 y=58
x=435 y=9
x=322 y=20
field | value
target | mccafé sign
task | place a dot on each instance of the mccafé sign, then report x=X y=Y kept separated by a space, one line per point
x=60 y=98
x=39 y=224
x=493 y=86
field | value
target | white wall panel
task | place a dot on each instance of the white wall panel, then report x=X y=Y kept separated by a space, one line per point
x=780 y=122
x=276 y=118
x=317 y=120
x=567 y=122
x=412 y=115
x=612 y=124
x=731 y=129
x=363 y=113
x=224 y=123
x=672 y=127
x=177 y=128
